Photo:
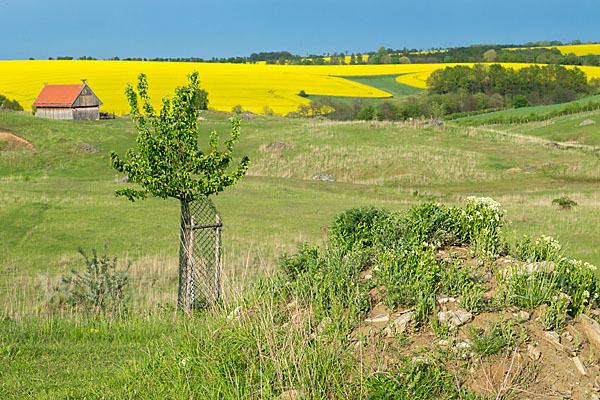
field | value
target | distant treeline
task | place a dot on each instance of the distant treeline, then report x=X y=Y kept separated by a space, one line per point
x=521 y=53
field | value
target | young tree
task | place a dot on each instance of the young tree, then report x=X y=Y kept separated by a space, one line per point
x=168 y=161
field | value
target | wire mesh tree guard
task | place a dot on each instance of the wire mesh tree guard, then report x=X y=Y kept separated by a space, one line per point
x=199 y=255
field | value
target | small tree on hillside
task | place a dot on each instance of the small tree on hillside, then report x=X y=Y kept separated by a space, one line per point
x=169 y=162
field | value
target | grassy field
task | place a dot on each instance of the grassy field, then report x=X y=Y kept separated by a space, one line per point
x=60 y=196
x=529 y=110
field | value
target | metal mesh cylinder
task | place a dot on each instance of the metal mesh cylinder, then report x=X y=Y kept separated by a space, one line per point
x=199 y=254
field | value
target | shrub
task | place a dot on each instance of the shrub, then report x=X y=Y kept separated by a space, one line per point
x=331 y=284
x=564 y=202
x=544 y=248
x=409 y=277
x=354 y=226
x=553 y=318
x=294 y=265
x=367 y=113
x=414 y=380
x=98 y=289
x=431 y=223
x=480 y=223
x=494 y=339
x=8 y=104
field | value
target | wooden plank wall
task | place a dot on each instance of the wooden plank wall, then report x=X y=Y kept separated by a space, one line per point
x=83 y=113
x=54 y=113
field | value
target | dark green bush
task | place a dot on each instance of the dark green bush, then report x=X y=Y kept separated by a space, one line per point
x=354 y=226
x=564 y=202
x=294 y=265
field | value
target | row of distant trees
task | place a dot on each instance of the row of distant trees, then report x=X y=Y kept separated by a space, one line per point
x=530 y=52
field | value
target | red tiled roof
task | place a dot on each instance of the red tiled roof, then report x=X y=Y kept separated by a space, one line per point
x=58 y=95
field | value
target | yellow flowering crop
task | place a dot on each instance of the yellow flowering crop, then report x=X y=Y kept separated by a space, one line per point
x=253 y=86
x=577 y=49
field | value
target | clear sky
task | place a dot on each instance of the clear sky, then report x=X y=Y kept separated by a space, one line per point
x=183 y=28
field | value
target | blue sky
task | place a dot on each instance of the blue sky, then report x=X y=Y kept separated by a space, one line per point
x=182 y=28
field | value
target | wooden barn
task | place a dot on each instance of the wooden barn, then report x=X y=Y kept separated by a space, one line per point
x=68 y=102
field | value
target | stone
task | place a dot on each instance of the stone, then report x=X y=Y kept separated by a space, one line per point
x=590 y=328
x=587 y=122
x=368 y=276
x=401 y=323
x=380 y=318
x=530 y=268
x=553 y=335
x=88 y=148
x=323 y=177
x=455 y=317
x=523 y=315
x=444 y=343
x=533 y=352
x=277 y=145
x=445 y=300
x=464 y=345
x=579 y=366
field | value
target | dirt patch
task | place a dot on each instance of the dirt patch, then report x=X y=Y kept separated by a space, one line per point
x=276 y=146
x=514 y=169
x=12 y=142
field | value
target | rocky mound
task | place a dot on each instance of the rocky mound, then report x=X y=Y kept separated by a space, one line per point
x=438 y=292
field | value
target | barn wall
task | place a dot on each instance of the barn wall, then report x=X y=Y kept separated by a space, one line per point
x=54 y=113
x=87 y=113
x=87 y=98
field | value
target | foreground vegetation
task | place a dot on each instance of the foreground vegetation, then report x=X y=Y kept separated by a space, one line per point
x=295 y=334
x=59 y=196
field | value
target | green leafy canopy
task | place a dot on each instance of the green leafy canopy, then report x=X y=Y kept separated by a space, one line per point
x=168 y=162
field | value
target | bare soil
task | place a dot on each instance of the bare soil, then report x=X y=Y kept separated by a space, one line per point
x=11 y=142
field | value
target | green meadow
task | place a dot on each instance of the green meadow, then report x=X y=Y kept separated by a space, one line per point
x=60 y=196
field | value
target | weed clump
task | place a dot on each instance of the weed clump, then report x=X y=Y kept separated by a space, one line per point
x=564 y=203
x=100 y=288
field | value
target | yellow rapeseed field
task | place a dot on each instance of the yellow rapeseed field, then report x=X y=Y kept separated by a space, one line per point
x=253 y=86
x=418 y=77
x=578 y=49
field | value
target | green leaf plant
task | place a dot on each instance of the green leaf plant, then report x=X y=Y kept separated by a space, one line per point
x=168 y=161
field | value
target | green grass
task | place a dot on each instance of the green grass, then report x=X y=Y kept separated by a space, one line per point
x=529 y=110
x=59 y=197
x=563 y=129
x=386 y=83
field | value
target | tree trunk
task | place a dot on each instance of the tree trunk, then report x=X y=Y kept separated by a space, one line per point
x=185 y=296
